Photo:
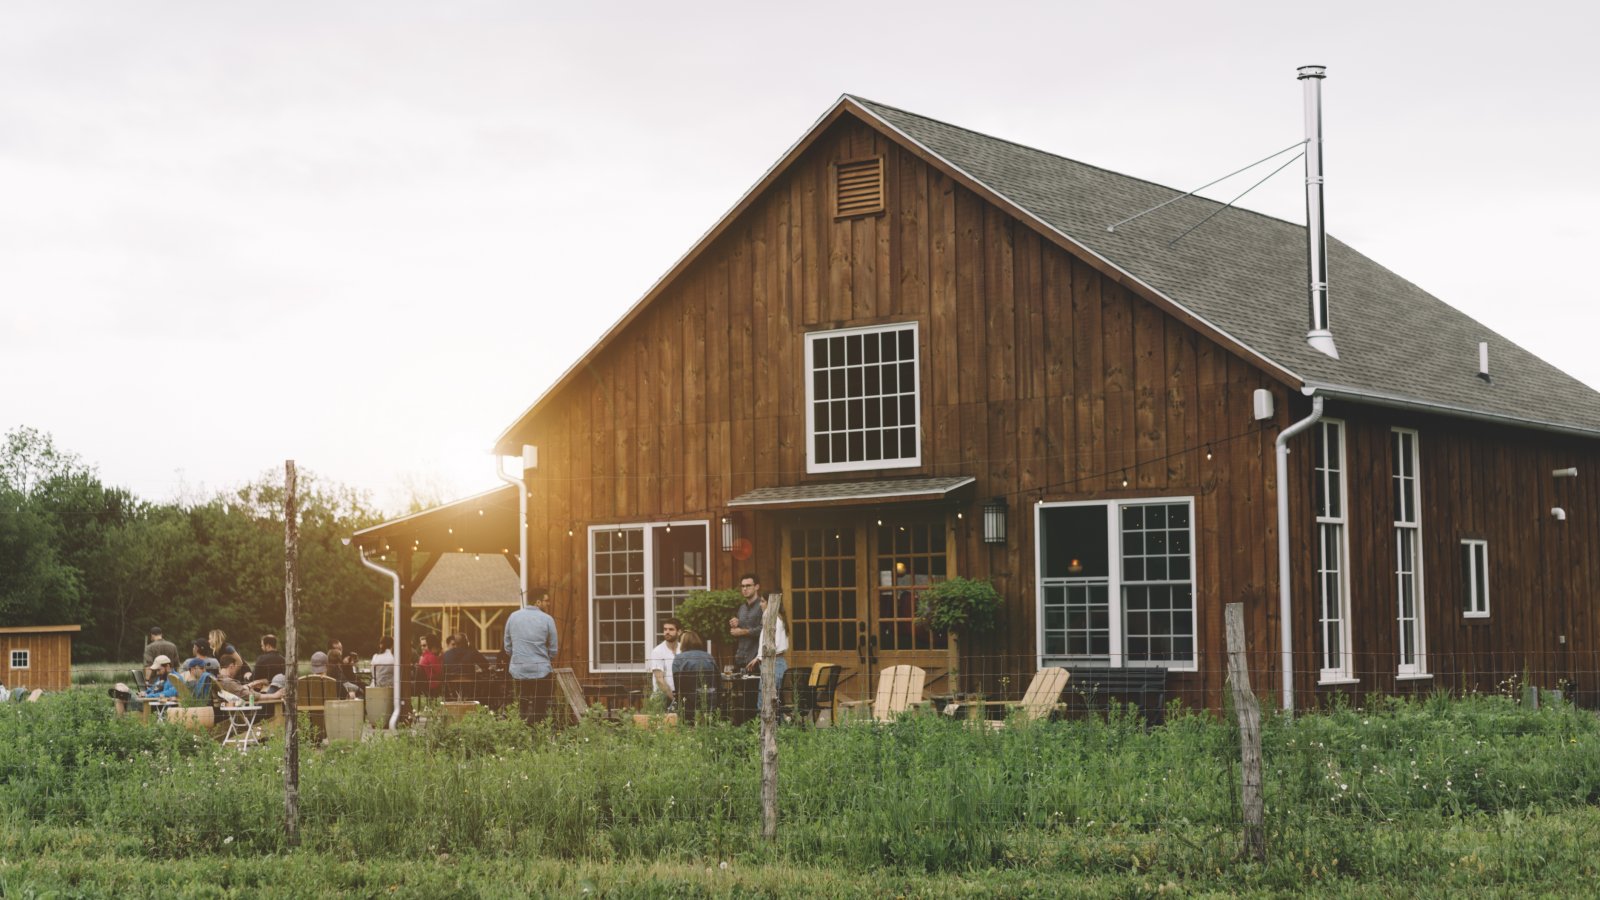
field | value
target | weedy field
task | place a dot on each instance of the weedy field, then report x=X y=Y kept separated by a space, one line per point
x=1434 y=796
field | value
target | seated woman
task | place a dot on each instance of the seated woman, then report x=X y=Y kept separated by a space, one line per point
x=694 y=674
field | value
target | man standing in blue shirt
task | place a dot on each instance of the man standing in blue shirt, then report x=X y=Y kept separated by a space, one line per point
x=531 y=644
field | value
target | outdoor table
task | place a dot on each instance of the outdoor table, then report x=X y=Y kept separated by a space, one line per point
x=241 y=727
x=739 y=693
x=160 y=705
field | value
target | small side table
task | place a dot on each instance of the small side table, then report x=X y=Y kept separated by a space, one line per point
x=160 y=707
x=242 y=731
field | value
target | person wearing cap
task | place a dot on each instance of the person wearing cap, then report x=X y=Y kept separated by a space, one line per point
x=158 y=646
x=159 y=685
x=200 y=679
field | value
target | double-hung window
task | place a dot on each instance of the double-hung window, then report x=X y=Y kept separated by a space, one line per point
x=1408 y=553
x=1475 y=579
x=638 y=574
x=1333 y=549
x=862 y=399
x=1116 y=582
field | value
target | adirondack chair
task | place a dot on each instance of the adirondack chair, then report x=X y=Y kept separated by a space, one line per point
x=899 y=689
x=1043 y=693
x=311 y=695
x=572 y=692
x=197 y=694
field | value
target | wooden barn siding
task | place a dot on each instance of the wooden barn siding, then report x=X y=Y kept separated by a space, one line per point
x=1478 y=482
x=49 y=664
x=1040 y=376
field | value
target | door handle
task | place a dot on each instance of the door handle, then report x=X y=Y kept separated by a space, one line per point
x=861 y=642
x=872 y=649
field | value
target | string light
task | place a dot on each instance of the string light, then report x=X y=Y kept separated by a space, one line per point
x=1124 y=477
x=1208 y=451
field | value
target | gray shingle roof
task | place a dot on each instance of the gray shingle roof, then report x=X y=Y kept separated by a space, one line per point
x=467 y=579
x=1245 y=273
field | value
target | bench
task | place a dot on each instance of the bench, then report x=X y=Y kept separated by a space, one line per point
x=1144 y=687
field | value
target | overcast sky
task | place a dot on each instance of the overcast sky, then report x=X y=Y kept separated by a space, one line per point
x=367 y=235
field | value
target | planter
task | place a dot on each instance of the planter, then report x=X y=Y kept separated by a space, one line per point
x=457 y=710
x=1552 y=697
x=664 y=720
x=380 y=703
x=1530 y=697
x=194 y=718
x=342 y=719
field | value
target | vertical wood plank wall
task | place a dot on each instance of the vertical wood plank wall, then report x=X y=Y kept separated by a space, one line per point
x=1046 y=380
x=49 y=664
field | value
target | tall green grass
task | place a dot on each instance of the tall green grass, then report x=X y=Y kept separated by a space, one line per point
x=1369 y=794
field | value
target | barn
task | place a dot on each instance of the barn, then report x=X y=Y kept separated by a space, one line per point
x=912 y=351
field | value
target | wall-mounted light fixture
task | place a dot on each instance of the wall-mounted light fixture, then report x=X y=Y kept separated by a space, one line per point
x=994 y=521
x=730 y=533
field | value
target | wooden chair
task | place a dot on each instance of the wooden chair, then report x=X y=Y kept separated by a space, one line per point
x=697 y=695
x=899 y=689
x=1042 y=696
x=311 y=696
x=572 y=692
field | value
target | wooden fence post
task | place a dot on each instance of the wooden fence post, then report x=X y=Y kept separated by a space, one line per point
x=769 y=719
x=1249 y=713
x=291 y=743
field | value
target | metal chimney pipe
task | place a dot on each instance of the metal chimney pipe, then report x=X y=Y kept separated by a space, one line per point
x=1319 y=337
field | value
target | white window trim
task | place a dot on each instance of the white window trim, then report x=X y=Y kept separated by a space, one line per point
x=1478 y=610
x=27 y=658
x=812 y=465
x=595 y=667
x=1342 y=674
x=1116 y=658
x=1419 y=669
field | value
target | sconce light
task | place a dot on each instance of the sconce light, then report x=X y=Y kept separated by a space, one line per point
x=994 y=521
x=730 y=533
x=899 y=567
x=1075 y=567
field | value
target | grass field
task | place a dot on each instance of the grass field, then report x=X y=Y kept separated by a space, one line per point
x=1434 y=797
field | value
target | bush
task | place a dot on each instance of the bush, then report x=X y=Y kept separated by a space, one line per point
x=960 y=604
x=708 y=612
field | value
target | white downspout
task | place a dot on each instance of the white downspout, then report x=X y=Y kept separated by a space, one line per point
x=530 y=460
x=1286 y=632
x=394 y=715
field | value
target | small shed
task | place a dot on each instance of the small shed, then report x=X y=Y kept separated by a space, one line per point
x=37 y=656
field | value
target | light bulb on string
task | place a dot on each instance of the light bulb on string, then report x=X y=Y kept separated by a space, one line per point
x=1124 y=477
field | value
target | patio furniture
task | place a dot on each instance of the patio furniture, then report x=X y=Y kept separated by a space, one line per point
x=242 y=730
x=1145 y=688
x=697 y=694
x=312 y=693
x=899 y=689
x=1042 y=697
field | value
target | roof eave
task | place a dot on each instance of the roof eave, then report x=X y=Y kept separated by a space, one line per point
x=1412 y=404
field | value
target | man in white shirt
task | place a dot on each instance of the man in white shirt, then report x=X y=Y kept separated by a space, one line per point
x=661 y=658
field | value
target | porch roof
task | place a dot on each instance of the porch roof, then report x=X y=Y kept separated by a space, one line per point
x=854 y=493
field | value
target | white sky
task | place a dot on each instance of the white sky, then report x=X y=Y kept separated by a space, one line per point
x=367 y=235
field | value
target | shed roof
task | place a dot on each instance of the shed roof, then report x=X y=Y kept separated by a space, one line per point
x=844 y=493
x=39 y=629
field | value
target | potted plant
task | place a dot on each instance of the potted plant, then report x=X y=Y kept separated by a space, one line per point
x=960 y=606
x=707 y=613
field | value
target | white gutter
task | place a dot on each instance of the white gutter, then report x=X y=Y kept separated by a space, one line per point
x=394 y=715
x=530 y=460
x=1286 y=633
x=1411 y=404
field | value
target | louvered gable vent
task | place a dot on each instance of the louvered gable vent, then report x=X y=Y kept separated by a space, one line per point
x=858 y=187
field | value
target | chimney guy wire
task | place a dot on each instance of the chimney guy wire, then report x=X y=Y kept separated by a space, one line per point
x=1230 y=203
x=1299 y=143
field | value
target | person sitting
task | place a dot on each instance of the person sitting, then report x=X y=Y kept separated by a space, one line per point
x=235 y=674
x=342 y=670
x=270 y=662
x=462 y=663
x=200 y=680
x=201 y=650
x=694 y=673
x=660 y=659
x=218 y=639
x=383 y=663
x=157 y=687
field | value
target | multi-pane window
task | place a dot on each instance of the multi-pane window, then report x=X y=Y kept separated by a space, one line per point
x=1475 y=579
x=911 y=558
x=1116 y=582
x=1333 y=620
x=862 y=405
x=1408 y=552
x=638 y=575
x=822 y=587
x=19 y=659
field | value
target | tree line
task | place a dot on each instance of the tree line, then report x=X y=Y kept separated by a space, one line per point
x=75 y=551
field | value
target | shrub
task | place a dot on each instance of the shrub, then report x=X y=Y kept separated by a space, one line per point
x=708 y=612
x=960 y=604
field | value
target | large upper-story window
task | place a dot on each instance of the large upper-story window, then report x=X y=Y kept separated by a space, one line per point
x=1408 y=553
x=1116 y=582
x=638 y=574
x=862 y=399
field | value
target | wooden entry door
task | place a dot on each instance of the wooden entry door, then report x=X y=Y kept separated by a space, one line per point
x=851 y=586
